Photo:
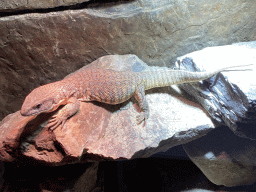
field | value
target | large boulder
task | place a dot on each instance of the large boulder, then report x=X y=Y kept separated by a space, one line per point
x=43 y=46
x=230 y=102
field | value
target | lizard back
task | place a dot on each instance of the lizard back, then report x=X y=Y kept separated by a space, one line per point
x=105 y=85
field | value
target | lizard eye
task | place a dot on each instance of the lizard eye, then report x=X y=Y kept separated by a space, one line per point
x=38 y=106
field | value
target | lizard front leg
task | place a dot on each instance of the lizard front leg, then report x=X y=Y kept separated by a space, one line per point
x=139 y=95
x=67 y=111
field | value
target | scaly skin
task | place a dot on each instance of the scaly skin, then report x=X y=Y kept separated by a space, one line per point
x=103 y=85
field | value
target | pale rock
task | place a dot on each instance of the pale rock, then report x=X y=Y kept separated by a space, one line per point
x=225 y=158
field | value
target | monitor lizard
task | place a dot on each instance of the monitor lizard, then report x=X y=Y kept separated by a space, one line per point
x=103 y=85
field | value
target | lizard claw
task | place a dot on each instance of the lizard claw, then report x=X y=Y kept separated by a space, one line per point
x=54 y=122
x=142 y=117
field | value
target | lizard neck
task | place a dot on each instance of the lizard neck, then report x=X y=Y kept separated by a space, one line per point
x=61 y=92
x=67 y=89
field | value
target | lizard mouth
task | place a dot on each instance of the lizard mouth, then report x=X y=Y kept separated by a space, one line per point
x=35 y=111
x=53 y=108
x=50 y=107
x=30 y=113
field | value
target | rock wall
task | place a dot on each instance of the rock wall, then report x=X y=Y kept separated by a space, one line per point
x=14 y=5
x=44 y=45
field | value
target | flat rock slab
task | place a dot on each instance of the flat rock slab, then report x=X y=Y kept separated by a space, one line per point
x=101 y=131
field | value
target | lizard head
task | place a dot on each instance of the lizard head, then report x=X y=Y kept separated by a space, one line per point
x=46 y=98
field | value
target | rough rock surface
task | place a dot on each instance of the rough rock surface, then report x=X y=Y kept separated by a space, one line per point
x=100 y=131
x=237 y=108
x=38 y=48
x=14 y=5
x=223 y=157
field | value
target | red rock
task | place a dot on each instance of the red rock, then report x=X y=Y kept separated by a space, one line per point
x=11 y=129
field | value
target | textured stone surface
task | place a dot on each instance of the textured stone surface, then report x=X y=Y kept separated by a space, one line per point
x=232 y=102
x=224 y=158
x=39 y=48
x=100 y=131
x=11 y=131
x=14 y=5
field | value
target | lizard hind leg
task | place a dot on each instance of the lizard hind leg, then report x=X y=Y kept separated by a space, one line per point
x=139 y=95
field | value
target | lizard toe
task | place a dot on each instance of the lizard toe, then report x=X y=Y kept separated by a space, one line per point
x=55 y=122
x=52 y=124
x=52 y=128
x=140 y=118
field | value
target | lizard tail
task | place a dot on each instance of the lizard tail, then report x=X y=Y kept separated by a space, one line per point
x=165 y=77
x=232 y=68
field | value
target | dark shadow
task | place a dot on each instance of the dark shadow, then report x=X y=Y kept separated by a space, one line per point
x=109 y=107
x=176 y=152
x=247 y=124
x=221 y=139
x=159 y=174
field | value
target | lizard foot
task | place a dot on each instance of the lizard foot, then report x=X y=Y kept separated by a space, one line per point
x=142 y=117
x=54 y=122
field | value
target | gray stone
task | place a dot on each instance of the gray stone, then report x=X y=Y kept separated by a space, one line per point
x=14 y=5
x=230 y=102
x=224 y=158
x=39 y=48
